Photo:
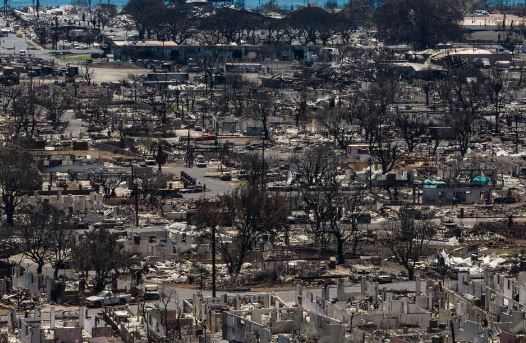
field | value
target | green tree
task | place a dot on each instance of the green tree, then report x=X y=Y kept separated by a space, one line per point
x=230 y=25
x=358 y=13
x=313 y=23
x=180 y=23
x=104 y=14
x=145 y=14
x=422 y=23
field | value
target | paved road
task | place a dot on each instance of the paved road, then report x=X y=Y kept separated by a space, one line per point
x=75 y=126
x=13 y=44
x=214 y=186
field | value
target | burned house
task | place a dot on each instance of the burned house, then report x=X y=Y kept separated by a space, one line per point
x=169 y=50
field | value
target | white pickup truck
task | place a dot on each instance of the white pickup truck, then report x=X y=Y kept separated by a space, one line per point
x=107 y=298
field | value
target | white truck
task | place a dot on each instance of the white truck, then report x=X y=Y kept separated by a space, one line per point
x=200 y=161
x=151 y=292
x=107 y=298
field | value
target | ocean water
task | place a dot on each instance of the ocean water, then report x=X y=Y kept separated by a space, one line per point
x=247 y=3
x=121 y=3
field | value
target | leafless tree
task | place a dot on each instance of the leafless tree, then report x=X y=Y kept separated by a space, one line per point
x=337 y=121
x=100 y=110
x=407 y=238
x=87 y=73
x=462 y=124
x=168 y=296
x=102 y=253
x=108 y=181
x=427 y=87
x=465 y=91
x=495 y=85
x=56 y=102
x=411 y=127
x=121 y=128
x=325 y=200
x=386 y=153
x=150 y=183
x=160 y=100
x=18 y=174
x=234 y=99
x=21 y=111
x=374 y=105
x=45 y=235
x=355 y=205
x=301 y=107
x=254 y=168
x=162 y=308
x=33 y=227
x=261 y=107
x=251 y=212
x=135 y=81
x=62 y=237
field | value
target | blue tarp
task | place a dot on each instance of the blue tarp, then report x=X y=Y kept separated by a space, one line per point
x=481 y=180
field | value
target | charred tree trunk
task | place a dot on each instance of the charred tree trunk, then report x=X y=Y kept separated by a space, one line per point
x=9 y=208
x=340 y=250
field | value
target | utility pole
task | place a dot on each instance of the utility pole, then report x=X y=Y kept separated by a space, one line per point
x=452 y=328
x=370 y=160
x=214 y=290
x=136 y=204
x=516 y=132
x=54 y=42
x=216 y=129
x=263 y=163
x=136 y=196
x=188 y=152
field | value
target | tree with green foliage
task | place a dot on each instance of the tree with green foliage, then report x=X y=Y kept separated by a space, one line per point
x=312 y=23
x=422 y=23
x=104 y=13
x=230 y=25
x=180 y=22
x=145 y=14
x=358 y=13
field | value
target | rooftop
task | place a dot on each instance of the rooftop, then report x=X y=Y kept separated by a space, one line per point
x=144 y=43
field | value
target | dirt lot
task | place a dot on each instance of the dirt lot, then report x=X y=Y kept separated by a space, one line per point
x=115 y=74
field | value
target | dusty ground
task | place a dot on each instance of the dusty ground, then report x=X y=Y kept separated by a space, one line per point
x=115 y=74
x=95 y=154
